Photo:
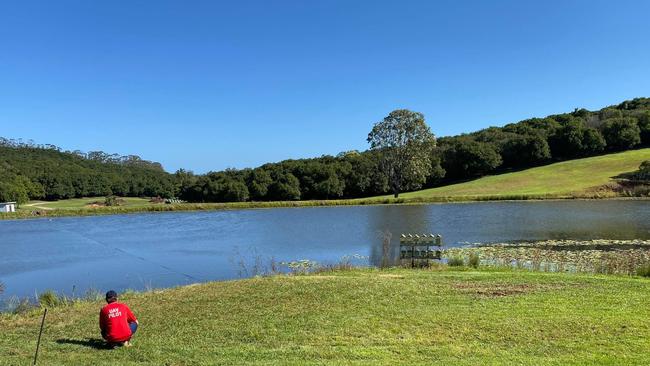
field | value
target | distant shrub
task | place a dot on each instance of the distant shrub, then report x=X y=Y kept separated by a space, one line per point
x=621 y=133
x=643 y=174
x=641 y=191
x=49 y=299
x=645 y=166
x=455 y=262
x=644 y=270
x=111 y=201
x=474 y=260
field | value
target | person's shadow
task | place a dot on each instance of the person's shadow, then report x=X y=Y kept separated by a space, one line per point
x=90 y=342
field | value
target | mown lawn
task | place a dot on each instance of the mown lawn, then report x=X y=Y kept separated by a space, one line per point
x=362 y=317
x=78 y=203
x=567 y=178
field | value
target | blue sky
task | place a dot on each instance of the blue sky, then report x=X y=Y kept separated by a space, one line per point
x=207 y=85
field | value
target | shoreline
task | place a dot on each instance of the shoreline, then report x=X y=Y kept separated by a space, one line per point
x=223 y=206
x=295 y=320
x=463 y=249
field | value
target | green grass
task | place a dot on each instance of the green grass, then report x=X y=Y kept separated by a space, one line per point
x=572 y=178
x=361 y=317
x=80 y=203
x=26 y=211
x=580 y=178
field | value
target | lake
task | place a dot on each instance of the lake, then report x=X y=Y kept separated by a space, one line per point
x=141 y=251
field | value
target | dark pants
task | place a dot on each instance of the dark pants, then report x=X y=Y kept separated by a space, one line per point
x=134 y=327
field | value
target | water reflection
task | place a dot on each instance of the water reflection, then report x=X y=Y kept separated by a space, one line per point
x=178 y=248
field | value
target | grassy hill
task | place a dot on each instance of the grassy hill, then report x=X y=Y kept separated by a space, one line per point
x=572 y=178
x=361 y=317
x=581 y=178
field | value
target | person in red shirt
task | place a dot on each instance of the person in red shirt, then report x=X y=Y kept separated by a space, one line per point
x=117 y=322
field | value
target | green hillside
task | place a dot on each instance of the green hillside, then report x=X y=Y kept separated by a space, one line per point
x=593 y=177
x=360 y=317
x=573 y=178
x=39 y=172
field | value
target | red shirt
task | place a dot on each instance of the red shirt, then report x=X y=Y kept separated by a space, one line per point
x=114 y=319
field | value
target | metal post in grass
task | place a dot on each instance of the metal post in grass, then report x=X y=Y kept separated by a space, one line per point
x=40 y=333
x=413 y=250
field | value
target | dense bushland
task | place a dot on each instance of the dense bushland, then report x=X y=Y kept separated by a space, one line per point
x=32 y=171
x=525 y=144
x=45 y=172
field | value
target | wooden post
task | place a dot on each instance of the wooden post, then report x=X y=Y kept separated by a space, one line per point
x=412 y=255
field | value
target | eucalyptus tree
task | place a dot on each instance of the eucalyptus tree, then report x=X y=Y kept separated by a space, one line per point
x=644 y=127
x=621 y=133
x=463 y=157
x=405 y=143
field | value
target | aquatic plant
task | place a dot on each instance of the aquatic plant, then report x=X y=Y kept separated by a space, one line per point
x=255 y=265
x=643 y=270
x=592 y=256
x=456 y=261
x=474 y=260
x=385 y=248
x=302 y=266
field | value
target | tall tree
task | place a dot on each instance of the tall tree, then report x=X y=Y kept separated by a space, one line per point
x=258 y=181
x=525 y=150
x=644 y=127
x=405 y=142
x=566 y=142
x=621 y=133
x=466 y=158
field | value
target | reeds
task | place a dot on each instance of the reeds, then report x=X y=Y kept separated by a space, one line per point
x=643 y=270
x=386 y=236
x=50 y=299
x=456 y=261
x=474 y=260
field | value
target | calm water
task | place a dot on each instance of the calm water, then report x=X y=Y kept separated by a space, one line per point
x=159 y=250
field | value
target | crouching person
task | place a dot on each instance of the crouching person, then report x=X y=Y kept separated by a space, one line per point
x=117 y=322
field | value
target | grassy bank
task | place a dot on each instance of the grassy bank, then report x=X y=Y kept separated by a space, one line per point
x=84 y=203
x=24 y=214
x=362 y=317
x=582 y=178
x=27 y=212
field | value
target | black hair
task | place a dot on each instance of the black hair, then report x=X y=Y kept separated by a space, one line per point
x=111 y=296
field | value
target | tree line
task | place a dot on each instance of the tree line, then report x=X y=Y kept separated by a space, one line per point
x=424 y=162
x=403 y=155
x=30 y=171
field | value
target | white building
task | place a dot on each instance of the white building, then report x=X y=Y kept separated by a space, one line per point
x=7 y=206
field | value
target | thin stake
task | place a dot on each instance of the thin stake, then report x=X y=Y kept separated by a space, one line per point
x=38 y=344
